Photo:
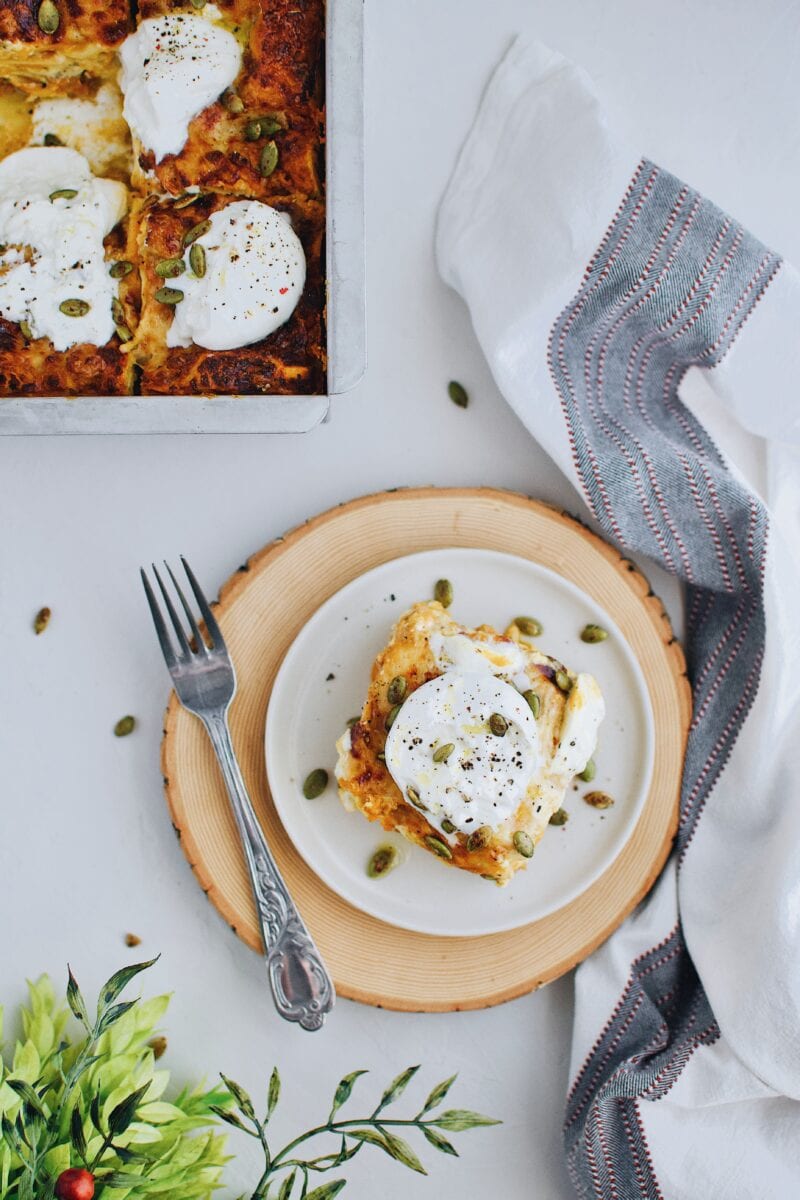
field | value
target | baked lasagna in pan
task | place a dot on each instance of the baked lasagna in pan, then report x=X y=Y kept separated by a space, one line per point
x=162 y=209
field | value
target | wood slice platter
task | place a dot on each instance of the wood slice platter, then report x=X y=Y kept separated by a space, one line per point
x=261 y=610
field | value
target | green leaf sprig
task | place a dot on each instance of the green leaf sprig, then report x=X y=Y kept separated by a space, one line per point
x=290 y=1171
x=96 y=1102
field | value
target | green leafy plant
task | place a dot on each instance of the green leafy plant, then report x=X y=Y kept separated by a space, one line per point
x=292 y=1173
x=86 y=1116
x=96 y=1102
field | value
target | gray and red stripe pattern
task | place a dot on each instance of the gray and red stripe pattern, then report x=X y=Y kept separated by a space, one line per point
x=671 y=285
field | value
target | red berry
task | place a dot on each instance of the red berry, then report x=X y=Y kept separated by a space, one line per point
x=75 y=1184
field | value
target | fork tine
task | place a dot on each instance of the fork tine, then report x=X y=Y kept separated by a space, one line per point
x=218 y=641
x=189 y=614
x=182 y=638
x=163 y=635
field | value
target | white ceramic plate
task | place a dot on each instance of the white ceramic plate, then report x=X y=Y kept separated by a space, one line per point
x=323 y=680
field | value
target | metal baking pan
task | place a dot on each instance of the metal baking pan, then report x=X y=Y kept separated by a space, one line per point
x=346 y=332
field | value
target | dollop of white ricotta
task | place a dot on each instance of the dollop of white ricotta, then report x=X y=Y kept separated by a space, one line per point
x=52 y=249
x=255 y=271
x=583 y=714
x=457 y=652
x=173 y=67
x=95 y=128
x=485 y=777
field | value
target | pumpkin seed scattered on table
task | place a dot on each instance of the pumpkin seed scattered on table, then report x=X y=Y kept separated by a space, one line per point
x=124 y=726
x=41 y=620
x=384 y=860
x=593 y=633
x=315 y=783
x=458 y=393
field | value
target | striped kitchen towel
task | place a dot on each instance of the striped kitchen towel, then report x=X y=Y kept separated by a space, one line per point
x=606 y=294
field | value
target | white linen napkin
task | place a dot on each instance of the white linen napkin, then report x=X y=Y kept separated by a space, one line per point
x=601 y=288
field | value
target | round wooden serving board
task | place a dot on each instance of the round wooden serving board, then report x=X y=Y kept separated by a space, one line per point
x=262 y=608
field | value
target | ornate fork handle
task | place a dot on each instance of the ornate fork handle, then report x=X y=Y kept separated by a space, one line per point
x=302 y=988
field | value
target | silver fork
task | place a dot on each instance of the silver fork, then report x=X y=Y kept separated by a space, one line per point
x=205 y=683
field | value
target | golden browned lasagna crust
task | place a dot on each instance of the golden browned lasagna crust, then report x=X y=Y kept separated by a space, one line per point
x=82 y=49
x=292 y=359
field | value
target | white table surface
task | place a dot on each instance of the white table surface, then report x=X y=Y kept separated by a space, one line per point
x=86 y=848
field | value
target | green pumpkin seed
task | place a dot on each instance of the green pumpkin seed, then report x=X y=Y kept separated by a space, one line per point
x=598 y=799
x=268 y=160
x=593 y=634
x=168 y=295
x=252 y=131
x=63 y=194
x=523 y=844
x=170 y=268
x=119 y=270
x=185 y=200
x=124 y=726
x=443 y=592
x=480 y=838
x=123 y=332
x=563 y=681
x=457 y=393
x=529 y=626
x=48 y=17
x=396 y=691
x=391 y=716
x=315 y=783
x=196 y=232
x=231 y=102
x=448 y=826
x=351 y=721
x=534 y=703
x=26 y=331
x=74 y=308
x=117 y=311
x=270 y=126
x=382 y=862
x=498 y=725
x=197 y=260
x=50 y=139
x=381 y=757
x=559 y=817
x=589 y=771
x=198 y=4
x=442 y=753
x=438 y=846
x=490 y=878
x=414 y=796
x=41 y=620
